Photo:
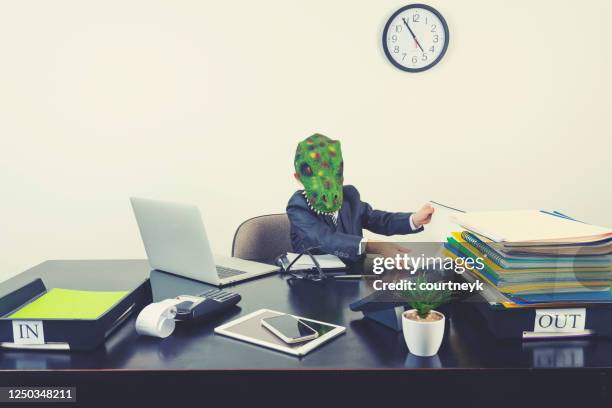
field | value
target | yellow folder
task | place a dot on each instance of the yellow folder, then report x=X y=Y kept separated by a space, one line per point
x=69 y=304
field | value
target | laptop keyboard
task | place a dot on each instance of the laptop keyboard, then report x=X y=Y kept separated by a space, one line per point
x=224 y=272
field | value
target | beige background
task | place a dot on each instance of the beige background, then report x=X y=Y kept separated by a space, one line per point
x=204 y=101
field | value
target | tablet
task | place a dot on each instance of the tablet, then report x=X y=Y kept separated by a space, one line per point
x=248 y=328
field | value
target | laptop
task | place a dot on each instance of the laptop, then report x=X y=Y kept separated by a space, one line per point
x=175 y=241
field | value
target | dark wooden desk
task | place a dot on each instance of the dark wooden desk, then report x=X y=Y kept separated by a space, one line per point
x=195 y=365
x=366 y=344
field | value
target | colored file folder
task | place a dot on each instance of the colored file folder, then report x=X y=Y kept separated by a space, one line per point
x=69 y=304
x=531 y=227
x=531 y=281
x=534 y=260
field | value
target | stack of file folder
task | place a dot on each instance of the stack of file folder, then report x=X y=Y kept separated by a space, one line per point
x=531 y=258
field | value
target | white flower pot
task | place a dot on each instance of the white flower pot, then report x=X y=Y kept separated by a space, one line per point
x=423 y=338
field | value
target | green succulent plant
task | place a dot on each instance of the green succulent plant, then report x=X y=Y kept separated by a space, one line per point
x=425 y=300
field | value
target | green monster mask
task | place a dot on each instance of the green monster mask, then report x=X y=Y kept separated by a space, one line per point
x=319 y=167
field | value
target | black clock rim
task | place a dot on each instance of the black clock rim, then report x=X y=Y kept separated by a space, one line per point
x=386 y=30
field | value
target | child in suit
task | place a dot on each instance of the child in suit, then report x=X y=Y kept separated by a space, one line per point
x=330 y=216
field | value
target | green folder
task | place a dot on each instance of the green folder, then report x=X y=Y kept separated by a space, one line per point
x=69 y=304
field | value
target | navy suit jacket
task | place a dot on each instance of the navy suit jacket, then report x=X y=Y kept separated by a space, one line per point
x=309 y=229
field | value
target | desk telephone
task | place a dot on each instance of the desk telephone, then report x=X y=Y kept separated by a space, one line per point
x=204 y=305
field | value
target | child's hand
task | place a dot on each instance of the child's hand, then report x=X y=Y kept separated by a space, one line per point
x=423 y=216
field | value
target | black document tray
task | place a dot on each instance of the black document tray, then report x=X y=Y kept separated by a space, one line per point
x=519 y=322
x=68 y=334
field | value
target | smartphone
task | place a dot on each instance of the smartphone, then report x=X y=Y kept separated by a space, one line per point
x=289 y=329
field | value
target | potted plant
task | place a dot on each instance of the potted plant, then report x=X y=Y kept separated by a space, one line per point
x=422 y=325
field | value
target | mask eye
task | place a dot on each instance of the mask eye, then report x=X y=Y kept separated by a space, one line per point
x=305 y=170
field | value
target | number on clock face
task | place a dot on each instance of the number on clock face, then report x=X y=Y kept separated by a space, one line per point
x=415 y=38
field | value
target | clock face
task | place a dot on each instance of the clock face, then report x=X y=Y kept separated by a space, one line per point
x=415 y=38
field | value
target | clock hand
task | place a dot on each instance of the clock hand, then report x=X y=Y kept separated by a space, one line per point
x=412 y=33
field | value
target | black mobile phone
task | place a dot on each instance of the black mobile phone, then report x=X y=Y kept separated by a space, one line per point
x=289 y=329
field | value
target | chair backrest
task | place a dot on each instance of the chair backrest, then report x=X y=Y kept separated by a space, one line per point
x=262 y=238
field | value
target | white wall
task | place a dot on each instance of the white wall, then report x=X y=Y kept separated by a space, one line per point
x=204 y=101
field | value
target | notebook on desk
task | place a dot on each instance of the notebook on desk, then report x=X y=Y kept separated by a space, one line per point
x=326 y=261
x=304 y=262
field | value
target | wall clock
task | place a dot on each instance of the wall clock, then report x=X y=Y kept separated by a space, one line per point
x=415 y=38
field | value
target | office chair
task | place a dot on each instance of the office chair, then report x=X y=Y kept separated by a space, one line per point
x=262 y=238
